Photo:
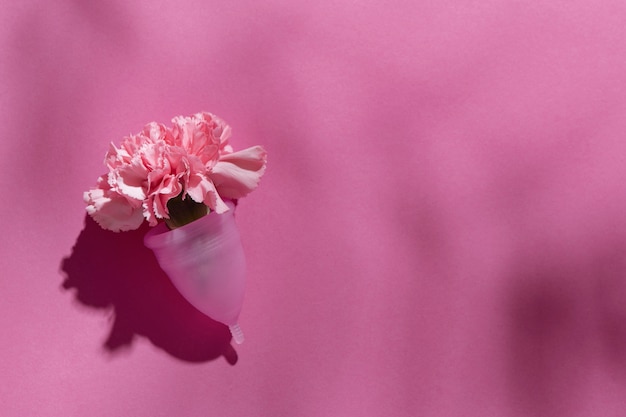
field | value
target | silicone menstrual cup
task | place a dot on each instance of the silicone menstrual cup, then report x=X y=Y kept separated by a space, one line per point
x=204 y=260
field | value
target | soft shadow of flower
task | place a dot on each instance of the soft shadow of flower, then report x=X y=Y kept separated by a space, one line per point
x=116 y=271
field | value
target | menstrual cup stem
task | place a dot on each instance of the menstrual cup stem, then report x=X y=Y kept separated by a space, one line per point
x=235 y=330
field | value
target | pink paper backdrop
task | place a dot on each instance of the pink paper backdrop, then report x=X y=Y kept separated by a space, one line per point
x=440 y=232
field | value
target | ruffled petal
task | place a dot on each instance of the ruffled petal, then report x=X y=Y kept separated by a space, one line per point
x=111 y=210
x=202 y=190
x=238 y=173
x=130 y=179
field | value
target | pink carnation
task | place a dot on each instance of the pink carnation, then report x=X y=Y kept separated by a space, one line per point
x=192 y=159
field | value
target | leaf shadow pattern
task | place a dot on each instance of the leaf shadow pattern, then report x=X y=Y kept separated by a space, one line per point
x=567 y=321
x=548 y=344
x=116 y=271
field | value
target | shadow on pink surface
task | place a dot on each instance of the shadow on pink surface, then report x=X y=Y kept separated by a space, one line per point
x=116 y=271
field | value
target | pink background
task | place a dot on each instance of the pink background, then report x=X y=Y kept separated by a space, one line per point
x=440 y=232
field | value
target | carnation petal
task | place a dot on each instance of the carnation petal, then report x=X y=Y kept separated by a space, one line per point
x=202 y=190
x=130 y=179
x=112 y=211
x=238 y=173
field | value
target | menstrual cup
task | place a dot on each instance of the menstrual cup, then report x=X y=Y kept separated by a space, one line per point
x=204 y=260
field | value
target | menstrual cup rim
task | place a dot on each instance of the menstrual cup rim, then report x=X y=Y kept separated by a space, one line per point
x=158 y=235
